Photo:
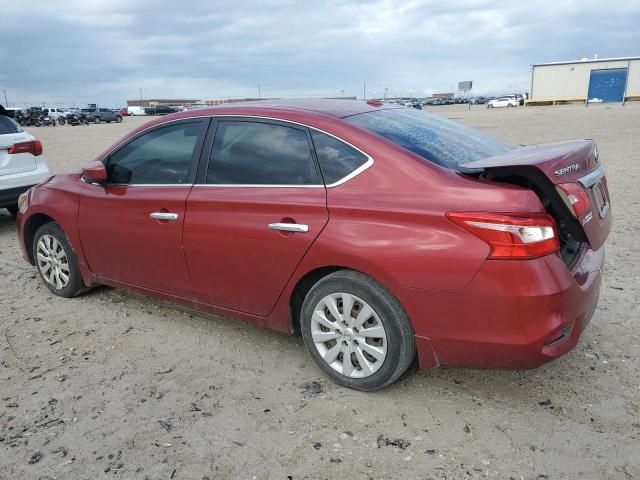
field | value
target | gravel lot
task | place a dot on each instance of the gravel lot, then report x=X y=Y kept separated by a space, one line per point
x=112 y=384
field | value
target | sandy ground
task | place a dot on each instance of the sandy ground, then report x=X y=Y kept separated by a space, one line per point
x=112 y=384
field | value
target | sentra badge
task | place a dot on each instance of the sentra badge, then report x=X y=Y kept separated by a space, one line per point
x=567 y=169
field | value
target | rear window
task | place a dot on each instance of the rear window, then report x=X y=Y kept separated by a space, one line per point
x=434 y=138
x=9 y=125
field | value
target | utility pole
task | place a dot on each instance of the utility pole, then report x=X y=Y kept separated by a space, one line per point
x=258 y=92
x=141 y=94
x=6 y=102
x=364 y=91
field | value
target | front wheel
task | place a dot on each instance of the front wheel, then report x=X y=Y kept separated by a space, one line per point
x=56 y=261
x=356 y=331
x=96 y=120
x=62 y=121
x=118 y=119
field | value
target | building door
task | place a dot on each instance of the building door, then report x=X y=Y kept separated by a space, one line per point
x=607 y=85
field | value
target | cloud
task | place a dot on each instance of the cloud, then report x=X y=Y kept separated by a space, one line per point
x=106 y=51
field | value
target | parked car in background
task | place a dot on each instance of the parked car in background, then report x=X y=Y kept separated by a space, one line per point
x=124 y=112
x=56 y=112
x=479 y=100
x=98 y=115
x=502 y=102
x=21 y=162
x=377 y=231
x=136 y=111
x=15 y=111
x=160 y=110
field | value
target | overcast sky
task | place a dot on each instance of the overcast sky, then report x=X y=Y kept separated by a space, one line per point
x=105 y=51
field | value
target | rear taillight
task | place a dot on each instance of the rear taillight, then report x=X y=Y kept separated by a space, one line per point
x=511 y=236
x=574 y=197
x=34 y=148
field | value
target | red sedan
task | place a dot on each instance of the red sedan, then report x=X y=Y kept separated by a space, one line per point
x=378 y=232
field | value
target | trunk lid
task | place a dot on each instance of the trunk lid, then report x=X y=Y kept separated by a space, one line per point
x=544 y=167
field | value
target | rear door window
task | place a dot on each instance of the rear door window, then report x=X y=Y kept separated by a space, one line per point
x=259 y=153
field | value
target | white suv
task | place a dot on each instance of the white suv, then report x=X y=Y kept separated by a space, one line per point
x=21 y=163
x=57 y=112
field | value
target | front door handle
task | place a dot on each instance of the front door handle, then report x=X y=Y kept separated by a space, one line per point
x=289 y=227
x=164 y=216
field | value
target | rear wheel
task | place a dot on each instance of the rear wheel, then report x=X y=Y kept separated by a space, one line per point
x=118 y=119
x=56 y=261
x=356 y=331
x=61 y=121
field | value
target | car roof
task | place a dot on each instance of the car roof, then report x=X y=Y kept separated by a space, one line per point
x=331 y=107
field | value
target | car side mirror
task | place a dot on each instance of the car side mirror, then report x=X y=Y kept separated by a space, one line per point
x=95 y=172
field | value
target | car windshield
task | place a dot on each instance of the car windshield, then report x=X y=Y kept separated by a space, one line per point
x=432 y=137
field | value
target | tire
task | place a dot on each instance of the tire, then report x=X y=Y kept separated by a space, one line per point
x=118 y=119
x=53 y=237
x=96 y=120
x=399 y=339
x=62 y=121
x=13 y=209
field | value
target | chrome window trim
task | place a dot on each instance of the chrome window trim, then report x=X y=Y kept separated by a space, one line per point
x=365 y=166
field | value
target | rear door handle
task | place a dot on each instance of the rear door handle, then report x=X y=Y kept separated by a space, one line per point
x=289 y=227
x=164 y=216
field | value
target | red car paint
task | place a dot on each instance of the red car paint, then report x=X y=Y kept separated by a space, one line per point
x=388 y=222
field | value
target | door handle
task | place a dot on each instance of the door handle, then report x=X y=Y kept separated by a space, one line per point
x=289 y=227
x=164 y=216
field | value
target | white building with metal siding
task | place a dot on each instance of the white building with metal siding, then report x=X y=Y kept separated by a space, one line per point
x=607 y=79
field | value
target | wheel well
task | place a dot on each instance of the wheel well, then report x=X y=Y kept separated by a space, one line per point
x=33 y=224
x=300 y=292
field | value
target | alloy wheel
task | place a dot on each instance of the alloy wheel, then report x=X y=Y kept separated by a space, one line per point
x=53 y=262
x=349 y=335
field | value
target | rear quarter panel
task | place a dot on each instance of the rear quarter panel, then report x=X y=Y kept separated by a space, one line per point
x=389 y=221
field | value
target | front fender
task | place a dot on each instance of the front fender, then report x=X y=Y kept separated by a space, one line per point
x=57 y=200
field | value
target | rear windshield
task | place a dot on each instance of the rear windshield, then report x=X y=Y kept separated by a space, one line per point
x=9 y=125
x=432 y=137
x=87 y=110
